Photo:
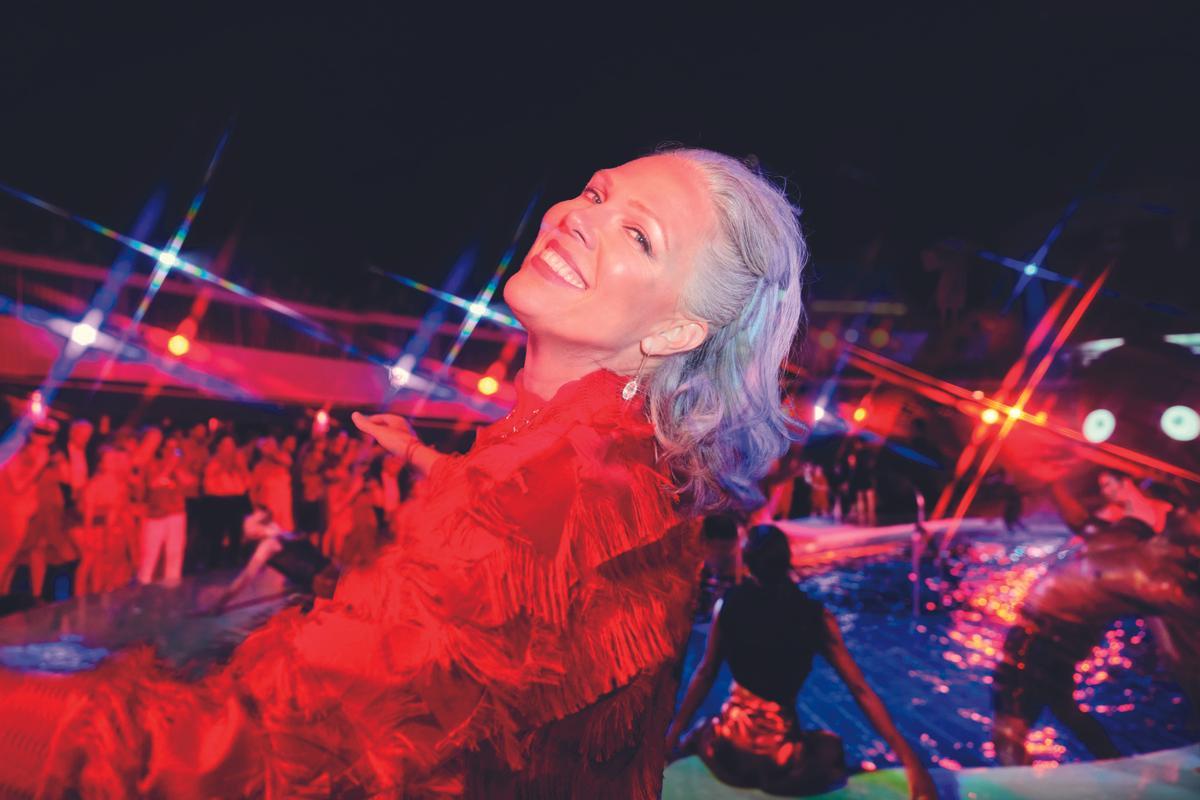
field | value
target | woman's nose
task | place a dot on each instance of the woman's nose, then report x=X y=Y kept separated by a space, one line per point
x=580 y=226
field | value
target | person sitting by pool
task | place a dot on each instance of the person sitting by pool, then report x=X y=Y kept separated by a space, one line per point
x=1125 y=566
x=768 y=630
x=720 y=539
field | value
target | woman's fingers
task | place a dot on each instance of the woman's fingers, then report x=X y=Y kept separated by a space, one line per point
x=389 y=422
x=391 y=431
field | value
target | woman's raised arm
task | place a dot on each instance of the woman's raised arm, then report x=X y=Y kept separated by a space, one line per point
x=396 y=435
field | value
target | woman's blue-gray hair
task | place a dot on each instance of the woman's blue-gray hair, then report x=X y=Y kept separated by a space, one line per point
x=717 y=410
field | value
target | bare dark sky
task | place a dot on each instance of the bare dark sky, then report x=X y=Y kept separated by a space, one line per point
x=379 y=136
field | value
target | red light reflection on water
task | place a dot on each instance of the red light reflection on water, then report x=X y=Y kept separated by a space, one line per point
x=988 y=603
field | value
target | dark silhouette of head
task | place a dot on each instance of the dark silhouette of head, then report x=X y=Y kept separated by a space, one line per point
x=768 y=555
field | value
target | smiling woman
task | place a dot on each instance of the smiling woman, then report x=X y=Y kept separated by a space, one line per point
x=686 y=269
x=521 y=636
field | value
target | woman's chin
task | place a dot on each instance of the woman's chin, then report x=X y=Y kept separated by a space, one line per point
x=529 y=297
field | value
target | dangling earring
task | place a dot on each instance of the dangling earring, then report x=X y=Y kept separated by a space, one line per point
x=631 y=388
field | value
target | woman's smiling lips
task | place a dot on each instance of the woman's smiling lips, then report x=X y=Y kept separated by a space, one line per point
x=557 y=265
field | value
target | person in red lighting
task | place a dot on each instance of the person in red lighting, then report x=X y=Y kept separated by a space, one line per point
x=521 y=637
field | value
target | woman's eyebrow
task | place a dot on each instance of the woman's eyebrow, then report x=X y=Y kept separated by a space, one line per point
x=605 y=177
x=644 y=209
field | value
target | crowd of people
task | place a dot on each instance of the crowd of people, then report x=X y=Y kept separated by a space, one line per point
x=844 y=490
x=151 y=505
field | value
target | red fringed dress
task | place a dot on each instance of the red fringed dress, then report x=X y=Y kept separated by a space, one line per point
x=520 y=639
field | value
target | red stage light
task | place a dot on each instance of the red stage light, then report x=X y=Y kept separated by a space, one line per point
x=990 y=416
x=37 y=407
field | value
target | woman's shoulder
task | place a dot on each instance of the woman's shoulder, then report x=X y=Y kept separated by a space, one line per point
x=596 y=439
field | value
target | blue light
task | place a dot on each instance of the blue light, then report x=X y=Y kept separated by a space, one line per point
x=68 y=654
x=1031 y=269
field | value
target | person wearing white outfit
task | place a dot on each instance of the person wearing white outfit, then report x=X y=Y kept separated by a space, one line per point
x=164 y=531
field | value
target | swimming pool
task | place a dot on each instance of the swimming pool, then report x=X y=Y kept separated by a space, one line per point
x=934 y=672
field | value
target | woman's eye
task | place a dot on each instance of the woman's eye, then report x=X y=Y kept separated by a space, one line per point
x=641 y=239
x=593 y=195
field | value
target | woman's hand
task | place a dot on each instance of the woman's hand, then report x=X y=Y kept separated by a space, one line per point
x=392 y=431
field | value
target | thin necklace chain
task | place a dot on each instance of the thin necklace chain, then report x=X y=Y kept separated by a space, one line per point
x=627 y=393
x=520 y=425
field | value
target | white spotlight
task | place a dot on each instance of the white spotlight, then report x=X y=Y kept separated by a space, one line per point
x=83 y=334
x=401 y=372
x=1098 y=425
x=87 y=329
x=1181 y=423
x=818 y=413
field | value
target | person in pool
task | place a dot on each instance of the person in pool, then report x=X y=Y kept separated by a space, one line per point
x=1139 y=556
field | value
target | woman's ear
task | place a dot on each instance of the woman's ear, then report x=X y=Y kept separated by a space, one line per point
x=679 y=336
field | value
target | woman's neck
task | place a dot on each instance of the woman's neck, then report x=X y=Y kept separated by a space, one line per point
x=549 y=365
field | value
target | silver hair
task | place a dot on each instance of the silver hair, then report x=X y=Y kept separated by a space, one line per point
x=717 y=410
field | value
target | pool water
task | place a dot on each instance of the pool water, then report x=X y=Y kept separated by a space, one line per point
x=934 y=672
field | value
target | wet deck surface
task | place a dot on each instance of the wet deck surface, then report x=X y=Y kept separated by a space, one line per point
x=1167 y=775
x=176 y=622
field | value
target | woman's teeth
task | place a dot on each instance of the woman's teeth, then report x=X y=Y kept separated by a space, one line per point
x=561 y=268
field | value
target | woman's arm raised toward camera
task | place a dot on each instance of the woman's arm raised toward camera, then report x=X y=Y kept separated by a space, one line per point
x=396 y=435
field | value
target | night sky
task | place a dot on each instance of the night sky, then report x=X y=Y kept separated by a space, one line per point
x=380 y=137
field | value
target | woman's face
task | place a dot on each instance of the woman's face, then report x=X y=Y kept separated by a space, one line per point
x=608 y=267
x=1112 y=487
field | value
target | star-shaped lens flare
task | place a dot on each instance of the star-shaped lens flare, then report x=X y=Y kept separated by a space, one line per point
x=295 y=317
x=170 y=256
